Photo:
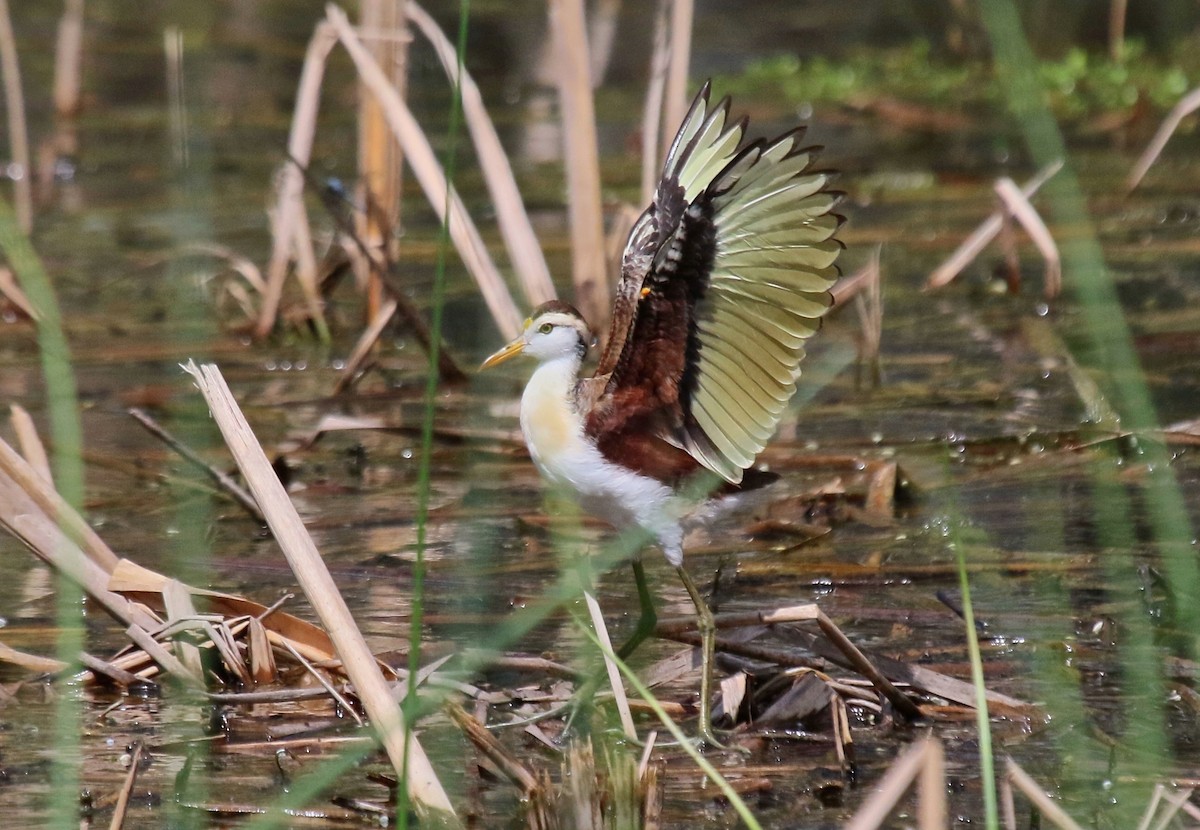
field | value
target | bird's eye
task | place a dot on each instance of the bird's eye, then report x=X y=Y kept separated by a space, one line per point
x=545 y=328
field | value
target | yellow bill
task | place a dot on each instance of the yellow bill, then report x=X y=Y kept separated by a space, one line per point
x=511 y=350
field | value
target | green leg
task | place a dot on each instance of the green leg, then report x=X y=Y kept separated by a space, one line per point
x=647 y=616
x=708 y=635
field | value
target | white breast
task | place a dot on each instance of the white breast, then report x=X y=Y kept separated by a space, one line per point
x=568 y=460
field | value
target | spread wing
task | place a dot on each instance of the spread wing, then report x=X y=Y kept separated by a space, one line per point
x=724 y=278
x=704 y=145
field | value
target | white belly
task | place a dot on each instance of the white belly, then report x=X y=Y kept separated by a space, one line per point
x=569 y=461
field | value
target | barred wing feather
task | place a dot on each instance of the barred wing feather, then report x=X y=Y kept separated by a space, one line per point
x=724 y=278
x=703 y=147
x=768 y=288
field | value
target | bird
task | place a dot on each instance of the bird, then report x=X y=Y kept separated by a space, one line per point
x=724 y=278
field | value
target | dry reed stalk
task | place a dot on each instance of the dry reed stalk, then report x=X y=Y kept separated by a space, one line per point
x=923 y=763
x=1151 y=806
x=262 y=659
x=1191 y=809
x=1017 y=204
x=430 y=176
x=222 y=480
x=54 y=508
x=652 y=804
x=10 y=289
x=483 y=740
x=1116 y=28
x=1007 y=242
x=1022 y=780
x=652 y=112
x=18 y=132
x=1176 y=802
x=223 y=637
x=24 y=518
x=242 y=265
x=868 y=303
x=810 y=612
x=32 y=448
x=1008 y=807
x=985 y=233
x=325 y=684
x=31 y=662
x=384 y=28
x=68 y=51
x=406 y=754
x=1186 y=106
x=932 y=808
x=789 y=614
x=365 y=345
x=602 y=37
x=103 y=668
x=131 y=579
x=582 y=160
x=176 y=101
x=614 y=673
x=517 y=231
x=676 y=102
x=118 y=816
x=177 y=602
x=290 y=225
x=159 y=653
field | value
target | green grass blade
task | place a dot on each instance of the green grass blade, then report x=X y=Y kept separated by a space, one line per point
x=437 y=303
x=1110 y=346
x=987 y=768
x=67 y=460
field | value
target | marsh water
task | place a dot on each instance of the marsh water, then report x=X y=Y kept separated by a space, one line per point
x=979 y=404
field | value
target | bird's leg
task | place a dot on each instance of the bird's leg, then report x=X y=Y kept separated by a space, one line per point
x=708 y=634
x=647 y=616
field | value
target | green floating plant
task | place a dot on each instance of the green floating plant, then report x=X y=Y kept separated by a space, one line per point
x=1077 y=85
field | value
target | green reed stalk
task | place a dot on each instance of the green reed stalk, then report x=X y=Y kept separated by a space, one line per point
x=1058 y=681
x=1110 y=349
x=437 y=305
x=987 y=767
x=1110 y=340
x=67 y=459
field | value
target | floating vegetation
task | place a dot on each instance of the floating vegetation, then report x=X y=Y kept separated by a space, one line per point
x=1077 y=86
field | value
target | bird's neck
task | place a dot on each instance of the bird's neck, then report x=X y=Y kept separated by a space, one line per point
x=550 y=421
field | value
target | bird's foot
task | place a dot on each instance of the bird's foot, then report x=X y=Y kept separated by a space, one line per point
x=706 y=738
x=580 y=708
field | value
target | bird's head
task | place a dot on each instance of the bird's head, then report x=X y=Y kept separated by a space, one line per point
x=555 y=329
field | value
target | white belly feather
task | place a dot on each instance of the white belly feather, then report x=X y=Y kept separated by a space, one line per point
x=568 y=460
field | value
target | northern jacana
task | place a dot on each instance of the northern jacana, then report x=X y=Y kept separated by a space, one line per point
x=723 y=279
